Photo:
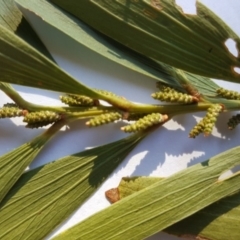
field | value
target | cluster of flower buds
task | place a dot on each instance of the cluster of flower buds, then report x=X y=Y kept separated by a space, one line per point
x=174 y=96
x=168 y=94
x=78 y=100
x=234 y=121
x=145 y=122
x=199 y=128
x=228 y=94
x=11 y=110
x=40 y=119
x=104 y=119
x=207 y=123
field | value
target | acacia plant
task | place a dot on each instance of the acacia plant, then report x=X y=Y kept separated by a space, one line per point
x=156 y=39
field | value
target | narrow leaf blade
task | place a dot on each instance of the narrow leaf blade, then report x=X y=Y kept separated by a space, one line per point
x=191 y=43
x=112 y=50
x=34 y=69
x=46 y=196
x=171 y=200
x=14 y=163
x=218 y=221
x=93 y=40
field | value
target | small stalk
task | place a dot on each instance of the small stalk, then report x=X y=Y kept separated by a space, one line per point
x=90 y=112
x=10 y=92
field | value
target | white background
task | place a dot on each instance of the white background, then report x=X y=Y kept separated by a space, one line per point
x=163 y=153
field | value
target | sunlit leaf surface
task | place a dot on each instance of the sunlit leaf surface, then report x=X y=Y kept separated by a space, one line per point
x=47 y=195
x=172 y=200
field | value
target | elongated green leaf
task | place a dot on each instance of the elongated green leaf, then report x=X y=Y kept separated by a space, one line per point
x=92 y=40
x=109 y=48
x=160 y=30
x=112 y=50
x=21 y=64
x=13 y=164
x=163 y=203
x=219 y=221
x=170 y=75
x=12 y=19
x=46 y=196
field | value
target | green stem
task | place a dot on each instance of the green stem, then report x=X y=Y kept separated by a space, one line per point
x=70 y=110
x=90 y=112
x=10 y=92
x=14 y=95
x=122 y=104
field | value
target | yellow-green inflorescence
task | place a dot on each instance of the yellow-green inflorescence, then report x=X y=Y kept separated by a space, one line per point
x=234 y=121
x=207 y=123
x=228 y=94
x=41 y=118
x=103 y=119
x=174 y=97
x=168 y=94
x=78 y=100
x=145 y=122
x=11 y=110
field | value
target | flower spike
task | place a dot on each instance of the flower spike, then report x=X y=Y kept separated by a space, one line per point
x=174 y=96
x=41 y=118
x=228 y=94
x=104 y=119
x=207 y=123
x=145 y=122
x=77 y=100
x=11 y=111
